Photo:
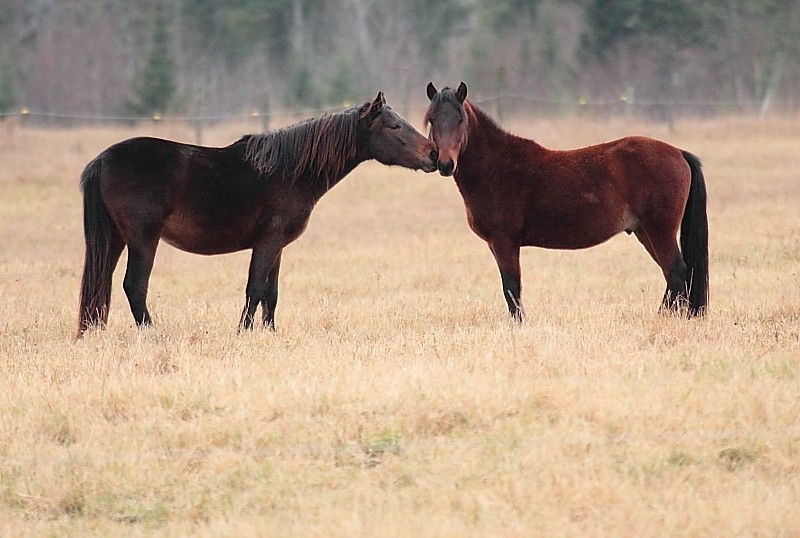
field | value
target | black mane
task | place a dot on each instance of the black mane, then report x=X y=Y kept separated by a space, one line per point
x=317 y=146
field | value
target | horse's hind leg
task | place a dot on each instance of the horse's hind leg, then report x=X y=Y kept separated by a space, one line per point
x=676 y=296
x=115 y=249
x=663 y=248
x=137 y=276
x=270 y=300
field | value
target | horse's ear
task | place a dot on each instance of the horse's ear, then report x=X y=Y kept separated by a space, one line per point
x=461 y=92
x=377 y=105
x=372 y=109
x=431 y=89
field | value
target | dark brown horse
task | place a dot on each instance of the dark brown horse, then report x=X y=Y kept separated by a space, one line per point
x=518 y=193
x=257 y=193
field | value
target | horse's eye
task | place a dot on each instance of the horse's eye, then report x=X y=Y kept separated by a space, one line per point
x=394 y=126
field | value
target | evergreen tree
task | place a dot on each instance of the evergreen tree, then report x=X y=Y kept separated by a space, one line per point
x=642 y=41
x=8 y=96
x=302 y=91
x=674 y=24
x=341 y=88
x=156 y=80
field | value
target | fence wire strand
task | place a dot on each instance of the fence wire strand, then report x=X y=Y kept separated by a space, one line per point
x=622 y=101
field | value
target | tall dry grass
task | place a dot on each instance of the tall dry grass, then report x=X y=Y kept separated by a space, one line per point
x=396 y=398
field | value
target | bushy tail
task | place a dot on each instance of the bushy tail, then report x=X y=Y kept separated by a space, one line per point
x=694 y=238
x=99 y=262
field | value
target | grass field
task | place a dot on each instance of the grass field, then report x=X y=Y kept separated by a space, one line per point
x=396 y=399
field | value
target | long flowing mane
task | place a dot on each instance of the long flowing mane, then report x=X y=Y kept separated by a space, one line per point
x=320 y=146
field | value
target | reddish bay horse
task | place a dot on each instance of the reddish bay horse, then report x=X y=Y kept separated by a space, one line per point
x=257 y=193
x=518 y=193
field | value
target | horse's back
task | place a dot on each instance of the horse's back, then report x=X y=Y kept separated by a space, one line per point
x=644 y=151
x=631 y=168
x=147 y=161
x=140 y=146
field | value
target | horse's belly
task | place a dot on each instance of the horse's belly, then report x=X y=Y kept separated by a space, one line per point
x=199 y=239
x=578 y=231
x=565 y=241
x=231 y=235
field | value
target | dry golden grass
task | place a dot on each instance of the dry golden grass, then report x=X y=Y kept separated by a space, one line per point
x=396 y=398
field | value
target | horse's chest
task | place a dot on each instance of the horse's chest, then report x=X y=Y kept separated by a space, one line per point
x=485 y=220
x=290 y=228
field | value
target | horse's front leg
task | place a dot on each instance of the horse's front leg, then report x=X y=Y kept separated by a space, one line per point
x=270 y=299
x=506 y=254
x=263 y=260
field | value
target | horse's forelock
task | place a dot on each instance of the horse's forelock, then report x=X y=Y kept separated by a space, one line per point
x=436 y=100
x=445 y=95
x=448 y=96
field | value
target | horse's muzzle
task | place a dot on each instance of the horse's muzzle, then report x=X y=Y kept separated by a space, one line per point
x=431 y=166
x=446 y=168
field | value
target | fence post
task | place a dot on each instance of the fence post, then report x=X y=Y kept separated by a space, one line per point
x=198 y=132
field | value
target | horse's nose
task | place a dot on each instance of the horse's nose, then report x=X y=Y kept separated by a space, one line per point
x=446 y=167
x=434 y=155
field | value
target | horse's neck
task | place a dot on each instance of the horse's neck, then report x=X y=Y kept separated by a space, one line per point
x=348 y=167
x=489 y=147
x=485 y=142
x=324 y=184
x=483 y=125
x=345 y=162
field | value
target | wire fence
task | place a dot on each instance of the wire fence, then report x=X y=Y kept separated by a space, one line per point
x=623 y=105
x=157 y=116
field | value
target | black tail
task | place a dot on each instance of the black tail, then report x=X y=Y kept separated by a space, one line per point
x=99 y=262
x=694 y=238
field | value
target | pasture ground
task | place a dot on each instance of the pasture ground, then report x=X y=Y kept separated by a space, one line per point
x=396 y=398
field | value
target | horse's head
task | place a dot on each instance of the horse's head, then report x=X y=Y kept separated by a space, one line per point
x=392 y=140
x=448 y=125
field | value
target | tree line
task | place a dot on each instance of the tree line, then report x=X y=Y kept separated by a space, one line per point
x=203 y=58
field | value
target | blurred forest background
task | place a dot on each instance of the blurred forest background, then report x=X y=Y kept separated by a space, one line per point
x=117 y=59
